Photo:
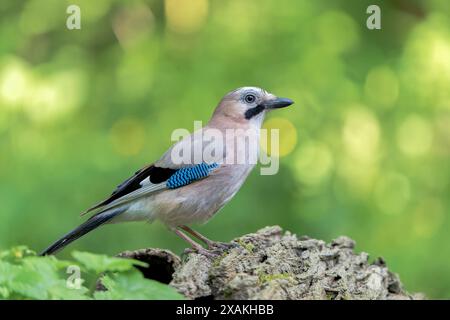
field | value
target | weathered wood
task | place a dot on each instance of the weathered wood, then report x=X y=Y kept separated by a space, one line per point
x=272 y=264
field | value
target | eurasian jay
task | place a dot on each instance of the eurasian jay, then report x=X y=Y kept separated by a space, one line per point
x=180 y=193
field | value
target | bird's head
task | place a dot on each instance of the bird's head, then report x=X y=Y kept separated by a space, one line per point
x=249 y=104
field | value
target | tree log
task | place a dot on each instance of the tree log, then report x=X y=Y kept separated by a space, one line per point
x=272 y=264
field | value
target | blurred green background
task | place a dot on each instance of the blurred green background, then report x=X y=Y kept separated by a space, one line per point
x=364 y=151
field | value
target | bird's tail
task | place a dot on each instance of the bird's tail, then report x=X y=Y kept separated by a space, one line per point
x=92 y=223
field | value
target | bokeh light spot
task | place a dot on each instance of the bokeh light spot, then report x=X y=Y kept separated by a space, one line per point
x=426 y=61
x=287 y=136
x=186 y=16
x=392 y=192
x=14 y=80
x=382 y=87
x=338 y=31
x=414 y=136
x=361 y=134
x=313 y=162
x=42 y=102
x=440 y=56
x=132 y=25
x=54 y=97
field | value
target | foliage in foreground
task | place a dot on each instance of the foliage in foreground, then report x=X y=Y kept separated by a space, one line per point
x=24 y=275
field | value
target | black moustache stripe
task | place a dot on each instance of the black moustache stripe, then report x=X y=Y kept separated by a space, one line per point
x=250 y=113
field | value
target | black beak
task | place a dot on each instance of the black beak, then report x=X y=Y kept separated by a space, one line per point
x=277 y=103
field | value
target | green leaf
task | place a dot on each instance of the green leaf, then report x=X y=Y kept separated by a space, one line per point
x=60 y=291
x=132 y=285
x=29 y=284
x=4 y=292
x=7 y=272
x=102 y=263
x=33 y=278
x=16 y=253
x=24 y=275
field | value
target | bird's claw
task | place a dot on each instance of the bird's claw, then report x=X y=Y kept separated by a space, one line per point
x=202 y=251
x=214 y=245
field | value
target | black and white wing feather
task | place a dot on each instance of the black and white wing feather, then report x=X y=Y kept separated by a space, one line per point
x=149 y=179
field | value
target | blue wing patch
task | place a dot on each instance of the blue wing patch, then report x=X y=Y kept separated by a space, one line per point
x=185 y=176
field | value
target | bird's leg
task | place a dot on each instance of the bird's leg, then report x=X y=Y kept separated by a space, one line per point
x=211 y=244
x=198 y=235
x=195 y=245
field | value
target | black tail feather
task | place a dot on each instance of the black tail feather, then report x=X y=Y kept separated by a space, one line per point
x=89 y=225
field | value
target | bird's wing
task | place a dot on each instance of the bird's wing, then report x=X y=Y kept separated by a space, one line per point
x=146 y=179
x=163 y=174
x=151 y=179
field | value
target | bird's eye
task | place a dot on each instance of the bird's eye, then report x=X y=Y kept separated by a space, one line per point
x=250 y=98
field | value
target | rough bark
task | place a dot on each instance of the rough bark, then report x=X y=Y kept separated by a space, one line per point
x=272 y=264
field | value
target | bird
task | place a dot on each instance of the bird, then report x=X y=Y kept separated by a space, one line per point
x=181 y=193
